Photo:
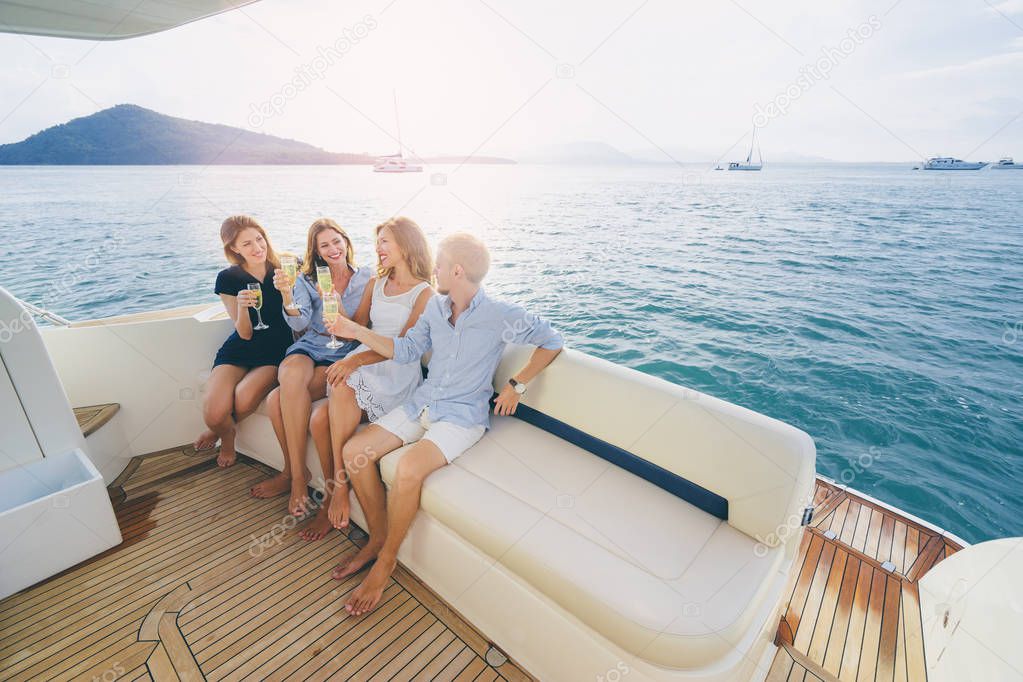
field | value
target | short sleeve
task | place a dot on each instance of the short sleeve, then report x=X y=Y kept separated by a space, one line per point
x=227 y=283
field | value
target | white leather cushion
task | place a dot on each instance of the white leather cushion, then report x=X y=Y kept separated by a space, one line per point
x=647 y=570
x=764 y=468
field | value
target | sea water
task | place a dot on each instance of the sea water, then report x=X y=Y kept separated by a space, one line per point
x=877 y=308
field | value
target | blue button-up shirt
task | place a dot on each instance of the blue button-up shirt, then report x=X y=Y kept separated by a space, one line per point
x=309 y=321
x=466 y=355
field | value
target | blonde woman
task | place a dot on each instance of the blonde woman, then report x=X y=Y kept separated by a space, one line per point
x=364 y=383
x=245 y=368
x=302 y=374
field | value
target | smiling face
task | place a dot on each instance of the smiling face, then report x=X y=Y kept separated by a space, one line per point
x=388 y=251
x=332 y=247
x=251 y=245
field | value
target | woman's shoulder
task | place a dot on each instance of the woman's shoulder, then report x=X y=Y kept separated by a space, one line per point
x=228 y=279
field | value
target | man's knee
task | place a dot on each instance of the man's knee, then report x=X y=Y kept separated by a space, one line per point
x=414 y=467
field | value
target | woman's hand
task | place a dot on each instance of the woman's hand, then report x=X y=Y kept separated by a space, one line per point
x=246 y=299
x=340 y=371
x=282 y=282
x=343 y=328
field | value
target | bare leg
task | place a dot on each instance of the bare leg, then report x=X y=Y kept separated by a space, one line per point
x=319 y=427
x=280 y=483
x=421 y=460
x=301 y=384
x=345 y=415
x=251 y=390
x=361 y=454
x=218 y=409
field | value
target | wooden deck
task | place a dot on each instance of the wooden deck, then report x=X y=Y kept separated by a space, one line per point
x=853 y=611
x=92 y=417
x=211 y=583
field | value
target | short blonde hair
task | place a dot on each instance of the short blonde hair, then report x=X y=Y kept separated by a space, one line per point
x=466 y=250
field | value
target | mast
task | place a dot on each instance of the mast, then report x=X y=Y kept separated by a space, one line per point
x=397 y=123
x=753 y=142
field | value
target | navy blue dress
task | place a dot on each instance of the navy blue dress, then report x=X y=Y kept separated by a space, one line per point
x=267 y=346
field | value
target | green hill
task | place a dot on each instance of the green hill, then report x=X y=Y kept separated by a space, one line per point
x=130 y=135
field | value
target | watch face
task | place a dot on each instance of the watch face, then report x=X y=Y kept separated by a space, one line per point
x=520 y=388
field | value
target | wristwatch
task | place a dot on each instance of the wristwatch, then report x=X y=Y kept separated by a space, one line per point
x=520 y=388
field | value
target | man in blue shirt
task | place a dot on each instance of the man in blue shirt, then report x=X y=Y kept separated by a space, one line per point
x=467 y=332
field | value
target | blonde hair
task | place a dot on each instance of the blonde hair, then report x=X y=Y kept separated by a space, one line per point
x=235 y=225
x=414 y=248
x=312 y=256
x=469 y=252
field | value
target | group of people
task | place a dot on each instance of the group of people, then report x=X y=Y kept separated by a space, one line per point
x=388 y=318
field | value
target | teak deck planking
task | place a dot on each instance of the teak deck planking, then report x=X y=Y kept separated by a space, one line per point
x=186 y=596
x=847 y=617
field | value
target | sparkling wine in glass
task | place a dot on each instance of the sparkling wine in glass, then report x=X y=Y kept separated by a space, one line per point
x=331 y=309
x=257 y=290
x=324 y=279
x=289 y=264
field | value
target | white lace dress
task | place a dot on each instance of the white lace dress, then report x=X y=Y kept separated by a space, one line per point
x=381 y=387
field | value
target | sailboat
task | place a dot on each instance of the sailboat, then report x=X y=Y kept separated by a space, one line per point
x=617 y=527
x=748 y=164
x=396 y=163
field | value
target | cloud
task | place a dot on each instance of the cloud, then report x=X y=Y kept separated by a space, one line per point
x=991 y=62
x=1007 y=6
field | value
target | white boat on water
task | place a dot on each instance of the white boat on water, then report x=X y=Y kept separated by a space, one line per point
x=618 y=528
x=1006 y=163
x=949 y=163
x=396 y=163
x=749 y=164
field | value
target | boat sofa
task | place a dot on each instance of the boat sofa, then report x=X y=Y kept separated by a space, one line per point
x=617 y=523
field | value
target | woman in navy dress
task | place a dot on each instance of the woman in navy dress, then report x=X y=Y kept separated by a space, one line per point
x=245 y=368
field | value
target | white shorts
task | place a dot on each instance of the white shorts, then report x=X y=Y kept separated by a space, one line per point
x=452 y=439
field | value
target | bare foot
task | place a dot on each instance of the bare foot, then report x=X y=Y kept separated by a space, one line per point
x=318 y=528
x=366 y=596
x=340 y=508
x=298 y=504
x=226 y=457
x=271 y=487
x=356 y=562
x=207 y=440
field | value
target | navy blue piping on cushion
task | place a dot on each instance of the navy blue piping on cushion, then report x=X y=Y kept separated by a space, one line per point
x=694 y=494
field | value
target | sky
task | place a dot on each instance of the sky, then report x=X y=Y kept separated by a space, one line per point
x=888 y=80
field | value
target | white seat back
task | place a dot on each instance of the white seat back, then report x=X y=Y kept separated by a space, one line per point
x=36 y=419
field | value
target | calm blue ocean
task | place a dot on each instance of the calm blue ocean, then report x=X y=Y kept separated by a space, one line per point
x=877 y=308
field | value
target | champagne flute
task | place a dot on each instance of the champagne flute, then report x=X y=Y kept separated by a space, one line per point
x=324 y=279
x=331 y=309
x=289 y=264
x=257 y=290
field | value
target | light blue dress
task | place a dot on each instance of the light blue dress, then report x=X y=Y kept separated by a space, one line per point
x=309 y=321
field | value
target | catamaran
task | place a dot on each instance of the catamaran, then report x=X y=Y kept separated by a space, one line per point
x=396 y=163
x=749 y=164
x=617 y=527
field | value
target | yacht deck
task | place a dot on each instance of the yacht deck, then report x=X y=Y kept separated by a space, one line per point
x=193 y=594
x=211 y=583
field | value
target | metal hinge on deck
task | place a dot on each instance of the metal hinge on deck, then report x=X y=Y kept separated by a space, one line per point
x=807 y=516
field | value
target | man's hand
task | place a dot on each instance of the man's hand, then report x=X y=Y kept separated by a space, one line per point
x=344 y=328
x=507 y=401
x=340 y=370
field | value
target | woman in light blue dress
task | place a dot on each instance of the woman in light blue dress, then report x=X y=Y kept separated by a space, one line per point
x=302 y=374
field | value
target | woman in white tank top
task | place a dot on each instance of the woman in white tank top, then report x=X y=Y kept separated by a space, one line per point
x=365 y=384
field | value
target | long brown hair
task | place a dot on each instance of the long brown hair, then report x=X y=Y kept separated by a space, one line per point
x=414 y=248
x=229 y=231
x=312 y=257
